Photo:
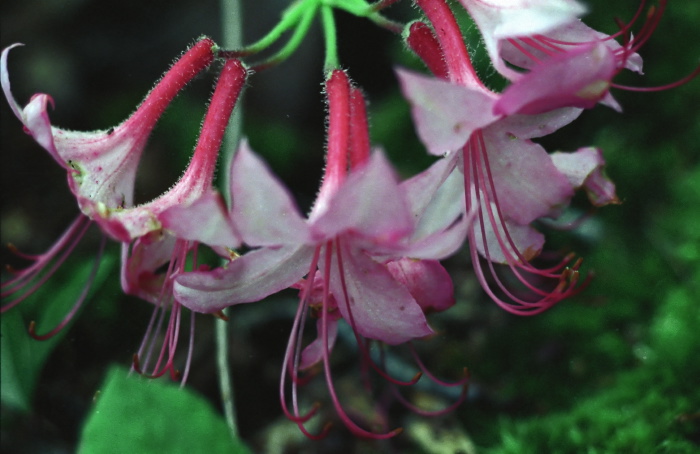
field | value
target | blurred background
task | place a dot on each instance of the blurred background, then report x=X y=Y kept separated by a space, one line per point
x=612 y=370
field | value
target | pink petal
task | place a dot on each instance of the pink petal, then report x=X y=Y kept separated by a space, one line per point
x=540 y=125
x=206 y=221
x=247 y=279
x=369 y=202
x=578 y=78
x=421 y=189
x=441 y=225
x=313 y=353
x=585 y=168
x=263 y=209
x=527 y=183
x=502 y=248
x=382 y=308
x=426 y=280
x=445 y=114
x=573 y=33
x=147 y=255
x=501 y=19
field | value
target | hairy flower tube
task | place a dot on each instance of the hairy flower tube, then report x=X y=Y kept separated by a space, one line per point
x=508 y=180
x=349 y=258
x=101 y=166
x=187 y=215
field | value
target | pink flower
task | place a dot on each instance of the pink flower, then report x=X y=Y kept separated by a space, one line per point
x=508 y=180
x=101 y=165
x=347 y=257
x=153 y=234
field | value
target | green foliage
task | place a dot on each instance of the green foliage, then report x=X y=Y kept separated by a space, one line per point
x=649 y=405
x=23 y=357
x=135 y=414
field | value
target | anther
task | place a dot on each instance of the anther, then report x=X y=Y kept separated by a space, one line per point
x=220 y=315
x=136 y=364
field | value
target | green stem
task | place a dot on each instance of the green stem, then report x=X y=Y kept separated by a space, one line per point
x=232 y=25
x=371 y=11
x=330 y=35
x=290 y=18
x=300 y=32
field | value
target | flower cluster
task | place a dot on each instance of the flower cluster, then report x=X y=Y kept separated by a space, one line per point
x=368 y=253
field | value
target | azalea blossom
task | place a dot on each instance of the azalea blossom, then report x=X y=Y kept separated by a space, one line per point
x=101 y=165
x=151 y=238
x=508 y=180
x=349 y=258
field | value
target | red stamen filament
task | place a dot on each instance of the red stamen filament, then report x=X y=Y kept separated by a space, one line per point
x=78 y=303
x=45 y=265
x=290 y=363
x=166 y=358
x=364 y=350
x=483 y=190
x=347 y=421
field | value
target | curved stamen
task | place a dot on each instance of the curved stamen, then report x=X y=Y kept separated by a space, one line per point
x=290 y=363
x=430 y=375
x=55 y=256
x=464 y=383
x=347 y=421
x=166 y=356
x=675 y=84
x=364 y=350
x=78 y=303
x=190 y=350
x=483 y=190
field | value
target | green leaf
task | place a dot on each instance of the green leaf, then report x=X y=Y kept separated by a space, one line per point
x=22 y=356
x=136 y=414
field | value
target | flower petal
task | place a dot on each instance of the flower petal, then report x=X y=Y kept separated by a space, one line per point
x=206 y=220
x=540 y=125
x=139 y=275
x=426 y=280
x=34 y=116
x=313 y=353
x=584 y=167
x=573 y=33
x=247 y=279
x=382 y=308
x=578 y=78
x=263 y=209
x=528 y=185
x=445 y=114
x=502 y=247
x=501 y=19
x=369 y=202
x=441 y=225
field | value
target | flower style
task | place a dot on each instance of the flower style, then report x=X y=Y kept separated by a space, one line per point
x=101 y=165
x=507 y=179
x=352 y=250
